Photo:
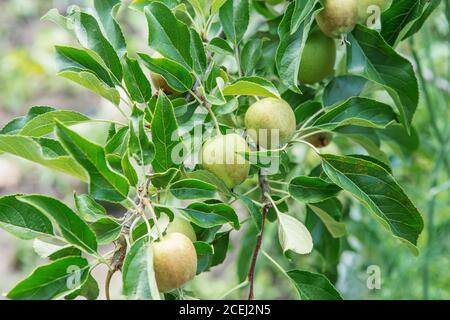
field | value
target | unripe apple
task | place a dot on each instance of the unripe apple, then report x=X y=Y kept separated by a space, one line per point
x=223 y=156
x=181 y=225
x=363 y=6
x=174 y=261
x=318 y=58
x=270 y=122
x=320 y=140
x=158 y=81
x=338 y=17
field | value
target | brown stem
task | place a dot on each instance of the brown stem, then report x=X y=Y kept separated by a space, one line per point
x=108 y=284
x=264 y=186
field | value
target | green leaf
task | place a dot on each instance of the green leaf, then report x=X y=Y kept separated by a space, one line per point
x=293 y=235
x=129 y=171
x=52 y=280
x=307 y=110
x=250 y=55
x=192 y=189
x=73 y=58
x=251 y=86
x=430 y=7
x=312 y=189
x=91 y=82
x=198 y=52
x=385 y=67
x=107 y=230
x=220 y=245
x=234 y=17
x=377 y=190
x=357 y=111
x=221 y=46
x=165 y=134
x=46 y=152
x=68 y=251
x=400 y=140
x=291 y=46
x=15 y=125
x=177 y=76
x=302 y=9
x=54 y=16
x=104 y=183
x=216 y=5
x=253 y=210
x=44 y=124
x=23 y=220
x=71 y=226
x=138 y=275
x=210 y=215
x=203 y=248
x=163 y=179
x=325 y=244
x=139 y=145
x=367 y=138
x=397 y=20
x=54 y=252
x=167 y=35
x=106 y=10
x=90 y=36
x=313 y=286
x=210 y=178
x=342 y=88
x=329 y=212
x=118 y=142
x=384 y=165
x=88 y=209
x=135 y=80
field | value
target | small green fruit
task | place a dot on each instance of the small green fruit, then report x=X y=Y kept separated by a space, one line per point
x=222 y=155
x=318 y=58
x=320 y=140
x=174 y=261
x=363 y=6
x=270 y=122
x=338 y=17
x=181 y=225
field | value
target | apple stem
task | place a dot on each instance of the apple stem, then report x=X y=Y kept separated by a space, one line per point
x=149 y=205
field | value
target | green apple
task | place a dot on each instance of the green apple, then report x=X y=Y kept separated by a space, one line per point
x=318 y=58
x=338 y=17
x=222 y=156
x=270 y=122
x=181 y=225
x=174 y=261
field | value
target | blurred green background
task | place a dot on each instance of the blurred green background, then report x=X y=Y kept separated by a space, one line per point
x=28 y=77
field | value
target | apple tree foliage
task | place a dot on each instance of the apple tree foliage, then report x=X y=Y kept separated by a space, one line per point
x=217 y=57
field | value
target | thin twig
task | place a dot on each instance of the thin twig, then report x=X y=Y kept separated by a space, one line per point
x=265 y=189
